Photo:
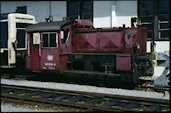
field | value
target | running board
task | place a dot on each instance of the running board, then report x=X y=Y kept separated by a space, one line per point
x=92 y=73
x=146 y=78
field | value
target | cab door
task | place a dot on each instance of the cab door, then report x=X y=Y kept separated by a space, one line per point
x=49 y=52
x=35 y=52
x=65 y=47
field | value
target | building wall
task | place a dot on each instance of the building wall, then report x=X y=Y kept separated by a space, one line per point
x=59 y=9
x=39 y=9
x=114 y=13
x=124 y=11
x=105 y=13
x=161 y=46
x=102 y=13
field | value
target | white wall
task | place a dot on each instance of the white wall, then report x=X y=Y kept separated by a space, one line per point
x=114 y=13
x=106 y=13
x=102 y=13
x=59 y=10
x=39 y=9
x=124 y=11
x=161 y=46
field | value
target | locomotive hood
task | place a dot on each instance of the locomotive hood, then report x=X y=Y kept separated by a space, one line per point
x=47 y=26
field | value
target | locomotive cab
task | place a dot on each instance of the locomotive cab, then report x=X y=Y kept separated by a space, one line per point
x=46 y=41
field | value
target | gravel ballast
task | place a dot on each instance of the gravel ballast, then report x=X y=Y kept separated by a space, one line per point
x=18 y=108
x=7 y=106
x=86 y=88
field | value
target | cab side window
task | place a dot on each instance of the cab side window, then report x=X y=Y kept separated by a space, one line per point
x=36 y=39
x=65 y=35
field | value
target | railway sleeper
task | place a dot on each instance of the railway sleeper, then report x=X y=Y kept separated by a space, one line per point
x=101 y=103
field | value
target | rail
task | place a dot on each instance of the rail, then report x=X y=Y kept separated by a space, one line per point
x=78 y=99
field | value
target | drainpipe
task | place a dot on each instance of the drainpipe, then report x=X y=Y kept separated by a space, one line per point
x=113 y=14
x=50 y=9
x=155 y=27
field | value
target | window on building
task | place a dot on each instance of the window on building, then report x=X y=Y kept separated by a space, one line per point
x=154 y=14
x=49 y=40
x=22 y=9
x=164 y=19
x=79 y=9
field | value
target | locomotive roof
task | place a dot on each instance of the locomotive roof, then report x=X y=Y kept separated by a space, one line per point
x=47 y=26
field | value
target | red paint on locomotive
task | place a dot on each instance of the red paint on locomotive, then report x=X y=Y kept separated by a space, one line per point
x=84 y=43
x=123 y=63
x=110 y=40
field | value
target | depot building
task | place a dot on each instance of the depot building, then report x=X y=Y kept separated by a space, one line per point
x=153 y=14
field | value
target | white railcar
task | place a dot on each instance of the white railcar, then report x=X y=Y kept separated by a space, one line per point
x=13 y=38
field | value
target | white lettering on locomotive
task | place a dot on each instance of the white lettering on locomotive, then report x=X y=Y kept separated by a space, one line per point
x=50 y=64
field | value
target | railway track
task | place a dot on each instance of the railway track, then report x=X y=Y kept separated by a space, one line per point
x=150 y=85
x=18 y=77
x=147 y=83
x=84 y=100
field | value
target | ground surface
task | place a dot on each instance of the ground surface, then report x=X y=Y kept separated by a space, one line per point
x=12 y=107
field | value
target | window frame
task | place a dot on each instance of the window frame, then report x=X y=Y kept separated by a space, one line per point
x=62 y=34
x=156 y=34
x=81 y=3
x=4 y=35
x=68 y=38
x=37 y=42
x=25 y=37
x=49 y=40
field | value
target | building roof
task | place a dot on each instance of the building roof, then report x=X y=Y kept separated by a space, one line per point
x=47 y=26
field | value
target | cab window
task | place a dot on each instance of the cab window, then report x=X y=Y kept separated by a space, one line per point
x=65 y=35
x=49 y=40
x=36 y=39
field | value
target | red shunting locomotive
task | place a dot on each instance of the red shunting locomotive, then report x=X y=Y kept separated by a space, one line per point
x=76 y=47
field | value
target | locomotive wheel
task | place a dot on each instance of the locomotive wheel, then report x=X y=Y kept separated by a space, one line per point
x=129 y=78
x=12 y=73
